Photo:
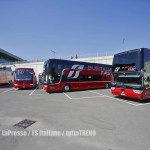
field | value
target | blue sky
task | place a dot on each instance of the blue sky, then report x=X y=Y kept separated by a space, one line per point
x=30 y=29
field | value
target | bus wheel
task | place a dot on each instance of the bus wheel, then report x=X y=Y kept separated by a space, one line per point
x=106 y=86
x=67 y=88
x=10 y=82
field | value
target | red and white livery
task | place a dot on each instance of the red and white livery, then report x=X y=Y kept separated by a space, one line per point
x=65 y=75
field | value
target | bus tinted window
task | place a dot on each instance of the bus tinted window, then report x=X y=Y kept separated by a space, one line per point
x=90 y=78
x=23 y=74
x=133 y=57
x=65 y=78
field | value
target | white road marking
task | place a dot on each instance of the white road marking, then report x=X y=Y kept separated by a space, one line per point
x=21 y=91
x=100 y=95
x=6 y=91
x=33 y=91
x=143 y=104
x=86 y=97
x=116 y=99
x=37 y=94
x=67 y=96
x=82 y=97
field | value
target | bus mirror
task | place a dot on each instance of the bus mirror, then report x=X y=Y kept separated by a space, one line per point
x=12 y=73
x=142 y=72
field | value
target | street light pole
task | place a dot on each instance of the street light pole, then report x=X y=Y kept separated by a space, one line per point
x=123 y=41
x=53 y=53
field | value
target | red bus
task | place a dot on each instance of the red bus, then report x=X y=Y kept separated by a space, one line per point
x=5 y=75
x=24 y=78
x=65 y=75
x=131 y=74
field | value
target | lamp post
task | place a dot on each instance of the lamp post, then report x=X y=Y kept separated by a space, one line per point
x=53 y=53
x=123 y=42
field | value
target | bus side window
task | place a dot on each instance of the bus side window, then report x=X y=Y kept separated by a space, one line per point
x=82 y=78
x=73 y=79
x=96 y=78
x=86 y=78
x=64 y=77
x=89 y=78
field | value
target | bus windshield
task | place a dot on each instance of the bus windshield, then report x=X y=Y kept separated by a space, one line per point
x=51 y=78
x=24 y=74
x=130 y=80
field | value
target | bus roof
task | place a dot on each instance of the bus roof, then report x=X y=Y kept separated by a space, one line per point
x=131 y=51
x=75 y=61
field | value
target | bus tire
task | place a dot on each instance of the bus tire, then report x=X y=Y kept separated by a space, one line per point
x=10 y=82
x=106 y=85
x=67 y=88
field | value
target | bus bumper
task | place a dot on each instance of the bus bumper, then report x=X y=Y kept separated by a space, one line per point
x=52 y=88
x=131 y=93
x=24 y=85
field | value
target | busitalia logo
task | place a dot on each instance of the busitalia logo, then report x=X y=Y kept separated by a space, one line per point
x=117 y=69
x=76 y=75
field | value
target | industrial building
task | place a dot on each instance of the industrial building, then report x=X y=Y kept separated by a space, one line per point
x=10 y=60
x=6 y=57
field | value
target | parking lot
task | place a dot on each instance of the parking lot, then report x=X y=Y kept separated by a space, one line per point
x=93 y=120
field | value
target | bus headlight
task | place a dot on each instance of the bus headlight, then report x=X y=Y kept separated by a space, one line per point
x=112 y=88
x=138 y=91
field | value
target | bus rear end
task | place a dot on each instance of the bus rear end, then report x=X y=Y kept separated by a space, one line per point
x=24 y=78
x=127 y=84
x=5 y=75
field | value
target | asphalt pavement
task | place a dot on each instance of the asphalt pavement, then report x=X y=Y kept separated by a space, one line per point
x=79 y=120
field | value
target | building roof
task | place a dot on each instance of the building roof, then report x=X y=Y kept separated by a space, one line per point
x=9 y=55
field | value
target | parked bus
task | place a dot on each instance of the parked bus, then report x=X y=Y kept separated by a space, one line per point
x=66 y=75
x=131 y=74
x=24 y=78
x=5 y=75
